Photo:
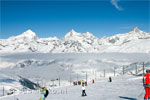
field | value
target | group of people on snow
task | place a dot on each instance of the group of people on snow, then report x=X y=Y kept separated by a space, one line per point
x=44 y=92
x=81 y=82
x=146 y=83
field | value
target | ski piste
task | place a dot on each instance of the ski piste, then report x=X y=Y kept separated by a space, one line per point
x=121 y=88
x=125 y=71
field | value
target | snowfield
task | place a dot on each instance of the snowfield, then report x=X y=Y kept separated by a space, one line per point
x=23 y=71
x=121 y=88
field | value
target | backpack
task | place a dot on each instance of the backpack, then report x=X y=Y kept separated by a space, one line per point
x=46 y=94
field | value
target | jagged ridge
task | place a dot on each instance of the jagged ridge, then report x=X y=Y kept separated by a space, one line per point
x=133 y=41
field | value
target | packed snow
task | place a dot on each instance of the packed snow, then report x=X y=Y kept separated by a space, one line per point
x=121 y=88
x=23 y=72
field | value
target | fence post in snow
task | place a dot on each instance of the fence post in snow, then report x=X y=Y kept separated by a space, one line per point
x=66 y=91
x=123 y=70
x=93 y=71
x=42 y=83
x=136 y=69
x=86 y=76
x=114 y=71
x=95 y=74
x=3 y=91
x=59 y=81
x=70 y=79
x=104 y=72
x=143 y=68
x=77 y=77
x=23 y=87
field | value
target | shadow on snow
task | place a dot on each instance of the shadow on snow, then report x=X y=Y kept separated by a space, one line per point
x=127 y=98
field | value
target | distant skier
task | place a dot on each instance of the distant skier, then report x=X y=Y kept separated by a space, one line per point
x=93 y=81
x=110 y=79
x=79 y=83
x=74 y=83
x=146 y=84
x=85 y=83
x=82 y=82
x=44 y=93
x=83 y=91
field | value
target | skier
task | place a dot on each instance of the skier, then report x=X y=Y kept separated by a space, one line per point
x=110 y=79
x=82 y=82
x=83 y=91
x=44 y=93
x=74 y=83
x=146 y=84
x=93 y=81
x=85 y=83
x=79 y=83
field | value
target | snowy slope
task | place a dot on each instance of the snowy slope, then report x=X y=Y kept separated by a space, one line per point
x=42 y=68
x=122 y=88
x=133 y=41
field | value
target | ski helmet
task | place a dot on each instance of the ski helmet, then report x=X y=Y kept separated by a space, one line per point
x=147 y=71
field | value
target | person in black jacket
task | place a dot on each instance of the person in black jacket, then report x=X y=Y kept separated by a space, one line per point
x=83 y=91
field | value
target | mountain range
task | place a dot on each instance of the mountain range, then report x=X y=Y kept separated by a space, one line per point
x=73 y=42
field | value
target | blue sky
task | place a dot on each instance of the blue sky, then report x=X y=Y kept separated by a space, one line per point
x=56 y=18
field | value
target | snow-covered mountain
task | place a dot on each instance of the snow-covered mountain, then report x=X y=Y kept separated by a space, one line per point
x=133 y=41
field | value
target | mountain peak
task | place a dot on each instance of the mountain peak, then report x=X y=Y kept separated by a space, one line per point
x=29 y=30
x=136 y=30
x=89 y=34
x=29 y=34
x=71 y=33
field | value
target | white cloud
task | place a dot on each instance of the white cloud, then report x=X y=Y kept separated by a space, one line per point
x=115 y=3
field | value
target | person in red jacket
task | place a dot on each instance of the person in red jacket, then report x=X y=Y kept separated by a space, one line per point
x=93 y=81
x=146 y=84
